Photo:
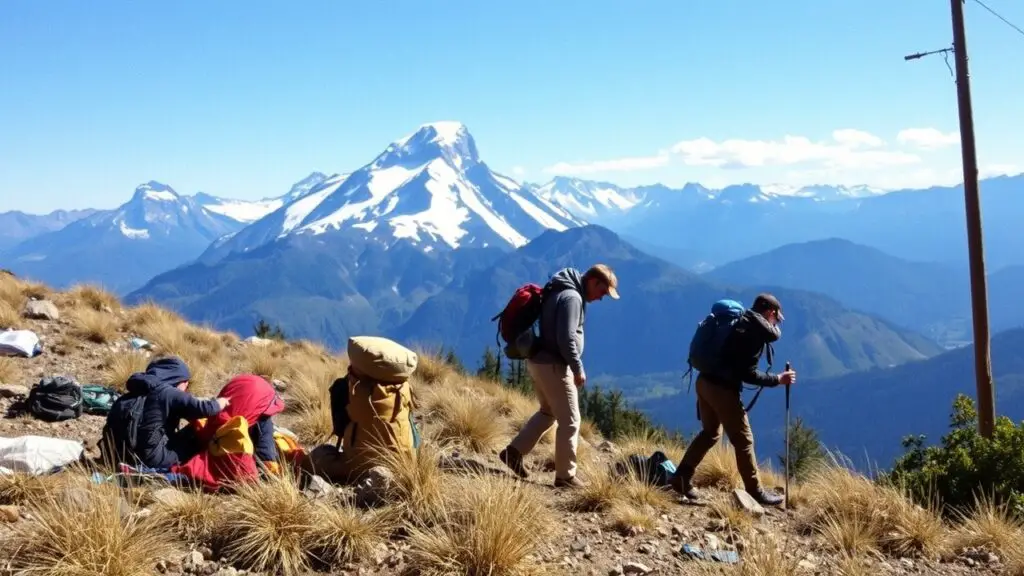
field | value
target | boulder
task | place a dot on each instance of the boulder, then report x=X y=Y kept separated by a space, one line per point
x=41 y=310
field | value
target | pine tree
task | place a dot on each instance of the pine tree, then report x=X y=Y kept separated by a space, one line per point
x=264 y=330
x=452 y=360
x=490 y=366
x=805 y=450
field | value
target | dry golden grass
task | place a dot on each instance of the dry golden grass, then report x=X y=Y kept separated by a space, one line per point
x=590 y=433
x=11 y=291
x=605 y=489
x=735 y=518
x=718 y=468
x=461 y=416
x=19 y=489
x=849 y=532
x=10 y=371
x=419 y=484
x=1013 y=561
x=36 y=290
x=431 y=370
x=857 y=515
x=93 y=326
x=264 y=361
x=988 y=525
x=98 y=534
x=271 y=526
x=90 y=296
x=488 y=525
x=193 y=517
x=118 y=366
x=630 y=519
x=308 y=395
x=10 y=317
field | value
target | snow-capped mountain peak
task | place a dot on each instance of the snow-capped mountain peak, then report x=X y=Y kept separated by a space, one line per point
x=449 y=140
x=154 y=191
x=429 y=188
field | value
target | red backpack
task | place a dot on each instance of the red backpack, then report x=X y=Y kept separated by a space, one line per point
x=515 y=322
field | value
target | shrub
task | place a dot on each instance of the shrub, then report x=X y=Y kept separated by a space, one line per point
x=965 y=463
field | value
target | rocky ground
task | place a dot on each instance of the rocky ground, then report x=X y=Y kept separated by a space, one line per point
x=461 y=513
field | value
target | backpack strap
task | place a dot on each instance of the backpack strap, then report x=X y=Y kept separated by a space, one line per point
x=770 y=354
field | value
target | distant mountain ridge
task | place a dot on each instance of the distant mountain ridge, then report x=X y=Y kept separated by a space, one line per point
x=156 y=230
x=18 y=226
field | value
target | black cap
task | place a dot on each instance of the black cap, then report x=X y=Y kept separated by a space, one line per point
x=766 y=301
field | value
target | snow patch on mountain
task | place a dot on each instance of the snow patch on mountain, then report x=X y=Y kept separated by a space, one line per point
x=588 y=199
x=243 y=210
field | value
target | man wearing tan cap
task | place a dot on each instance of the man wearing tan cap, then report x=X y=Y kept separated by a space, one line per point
x=557 y=369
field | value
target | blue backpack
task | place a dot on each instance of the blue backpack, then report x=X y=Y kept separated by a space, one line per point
x=709 y=338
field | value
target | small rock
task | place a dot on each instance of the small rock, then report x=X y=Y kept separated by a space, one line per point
x=193 y=560
x=317 y=488
x=280 y=385
x=373 y=486
x=13 y=391
x=579 y=545
x=228 y=571
x=970 y=562
x=678 y=530
x=647 y=549
x=167 y=496
x=663 y=532
x=206 y=552
x=380 y=553
x=9 y=514
x=257 y=341
x=747 y=502
x=607 y=446
x=615 y=571
x=635 y=568
x=806 y=565
x=907 y=562
x=713 y=542
x=41 y=310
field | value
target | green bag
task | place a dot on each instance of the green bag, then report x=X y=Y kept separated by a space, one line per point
x=97 y=400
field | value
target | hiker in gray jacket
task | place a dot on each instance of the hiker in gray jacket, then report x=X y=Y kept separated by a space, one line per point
x=556 y=369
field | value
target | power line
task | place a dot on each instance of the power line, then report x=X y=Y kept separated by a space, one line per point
x=997 y=15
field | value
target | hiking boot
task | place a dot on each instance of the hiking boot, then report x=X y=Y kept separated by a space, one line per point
x=514 y=460
x=572 y=482
x=680 y=482
x=765 y=498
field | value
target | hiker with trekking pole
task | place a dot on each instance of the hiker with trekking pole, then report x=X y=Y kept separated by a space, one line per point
x=726 y=350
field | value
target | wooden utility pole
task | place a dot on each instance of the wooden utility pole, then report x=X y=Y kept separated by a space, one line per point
x=975 y=246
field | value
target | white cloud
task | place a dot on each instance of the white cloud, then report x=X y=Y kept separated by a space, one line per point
x=998 y=170
x=845 y=150
x=853 y=137
x=616 y=165
x=927 y=138
x=518 y=171
x=916 y=157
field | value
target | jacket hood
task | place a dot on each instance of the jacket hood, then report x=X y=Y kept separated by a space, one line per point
x=769 y=333
x=568 y=278
x=163 y=372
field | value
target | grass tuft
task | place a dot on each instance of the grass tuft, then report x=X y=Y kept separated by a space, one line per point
x=489 y=525
x=120 y=365
x=10 y=317
x=100 y=534
x=10 y=371
x=93 y=326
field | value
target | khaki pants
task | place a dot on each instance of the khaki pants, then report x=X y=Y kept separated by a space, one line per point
x=720 y=408
x=553 y=383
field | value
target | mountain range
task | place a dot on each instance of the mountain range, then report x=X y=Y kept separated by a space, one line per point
x=426 y=242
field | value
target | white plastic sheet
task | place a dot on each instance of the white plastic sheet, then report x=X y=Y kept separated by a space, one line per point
x=37 y=454
x=19 y=343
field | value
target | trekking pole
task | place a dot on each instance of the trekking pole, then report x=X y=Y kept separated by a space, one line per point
x=787 y=440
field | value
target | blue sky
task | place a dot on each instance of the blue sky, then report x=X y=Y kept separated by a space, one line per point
x=241 y=99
